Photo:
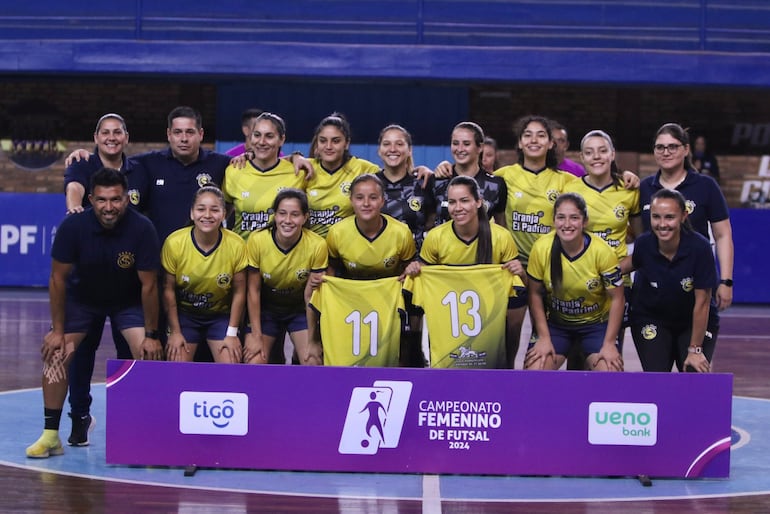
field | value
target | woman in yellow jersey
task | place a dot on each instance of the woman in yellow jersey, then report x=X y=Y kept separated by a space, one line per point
x=372 y=248
x=575 y=293
x=614 y=211
x=533 y=184
x=469 y=238
x=252 y=189
x=205 y=286
x=285 y=261
x=335 y=168
x=370 y=244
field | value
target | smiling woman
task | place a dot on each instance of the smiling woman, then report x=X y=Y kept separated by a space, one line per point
x=251 y=190
x=286 y=261
x=335 y=169
x=576 y=293
x=673 y=314
x=205 y=282
x=706 y=205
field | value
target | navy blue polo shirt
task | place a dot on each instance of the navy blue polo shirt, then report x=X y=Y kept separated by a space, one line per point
x=81 y=172
x=705 y=201
x=664 y=290
x=106 y=261
x=172 y=185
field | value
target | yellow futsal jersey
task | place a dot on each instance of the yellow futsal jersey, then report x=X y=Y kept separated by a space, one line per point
x=285 y=273
x=365 y=258
x=608 y=211
x=328 y=192
x=361 y=321
x=529 y=209
x=203 y=280
x=252 y=192
x=583 y=297
x=465 y=309
x=443 y=246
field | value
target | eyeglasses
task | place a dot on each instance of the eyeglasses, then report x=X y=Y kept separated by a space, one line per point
x=673 y=147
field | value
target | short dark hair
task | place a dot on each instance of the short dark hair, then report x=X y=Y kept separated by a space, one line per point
x=108 y=177
x=250 y=114
x=185 y=112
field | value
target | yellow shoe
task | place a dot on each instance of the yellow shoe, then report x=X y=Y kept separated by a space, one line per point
x=48 y=444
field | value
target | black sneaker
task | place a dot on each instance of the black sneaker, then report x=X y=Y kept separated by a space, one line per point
x=81 y=426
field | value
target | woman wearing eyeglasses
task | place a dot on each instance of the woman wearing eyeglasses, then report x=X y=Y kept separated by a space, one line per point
x=706 y=205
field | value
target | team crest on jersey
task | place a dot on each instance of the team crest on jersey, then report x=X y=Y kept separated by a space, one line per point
x=620 y=212
x=552 y=195
x=203 y=179
x=415 y=204
x=223 y=280
x=649 y=332
x=302 y=274
x=465 y=357
x=345 y=188
x=593 y=284
x=389 y=262
x=690 y=206
x=133 y=196
x=126 y=259
x=687 y=285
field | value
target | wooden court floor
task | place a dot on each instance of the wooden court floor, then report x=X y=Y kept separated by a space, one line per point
x=742 y=350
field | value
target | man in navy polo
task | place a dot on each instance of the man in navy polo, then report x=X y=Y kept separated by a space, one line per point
x=105 y=262
x=111 y=139
x=176 y=173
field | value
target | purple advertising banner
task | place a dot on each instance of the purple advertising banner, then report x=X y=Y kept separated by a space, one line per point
x=418 y=420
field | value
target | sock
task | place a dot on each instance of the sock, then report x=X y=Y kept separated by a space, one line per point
x=52 y=418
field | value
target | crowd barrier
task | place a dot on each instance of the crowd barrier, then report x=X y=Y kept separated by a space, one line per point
x=418 y=420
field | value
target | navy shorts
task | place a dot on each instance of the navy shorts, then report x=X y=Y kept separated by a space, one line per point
x=198 y=329
x=520 y=300
x=275 y=324
x=78 y=317
x=590 y=337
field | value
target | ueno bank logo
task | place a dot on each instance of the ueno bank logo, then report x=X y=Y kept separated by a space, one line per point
x=213 y=413
x=375 y=417
x=630 y=424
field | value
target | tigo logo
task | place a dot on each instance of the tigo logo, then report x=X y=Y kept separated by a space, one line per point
x=630 y=424
x=375 y=417
x=213 y=413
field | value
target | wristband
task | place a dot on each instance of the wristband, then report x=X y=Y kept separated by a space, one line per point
x=695 y=349
x=232 y=332
x=151 y=334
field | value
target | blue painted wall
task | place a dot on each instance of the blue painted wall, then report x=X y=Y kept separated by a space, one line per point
x=705 y=42
x=368 y=107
